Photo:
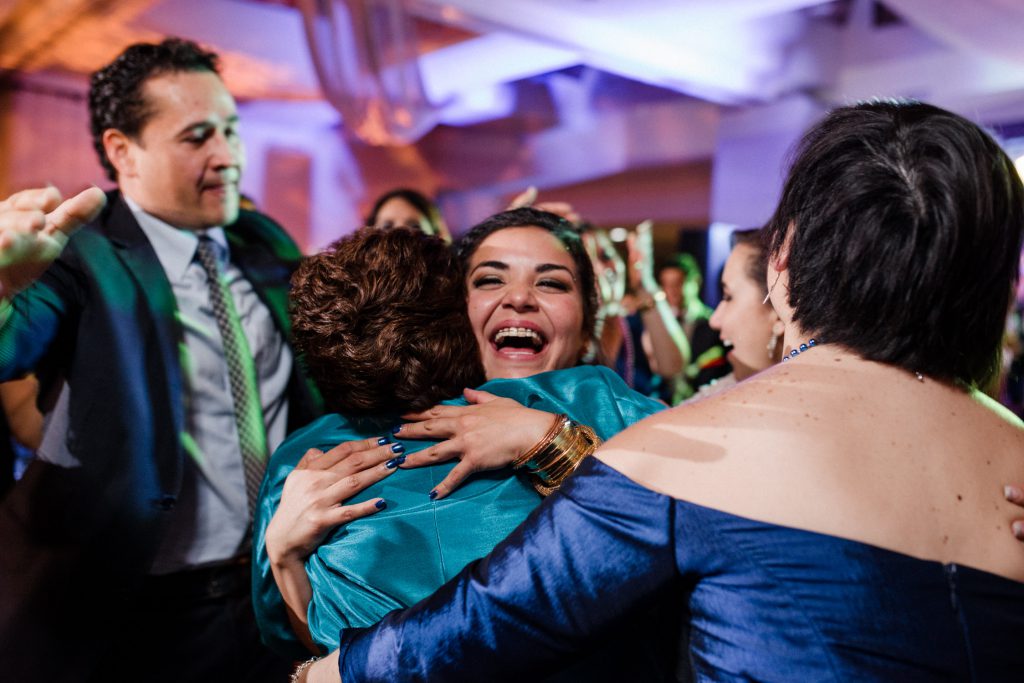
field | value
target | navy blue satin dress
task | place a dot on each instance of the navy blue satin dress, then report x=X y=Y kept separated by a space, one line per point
x=759 y=601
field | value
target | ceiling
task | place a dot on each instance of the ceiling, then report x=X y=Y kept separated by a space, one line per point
x=676 y=97
x=474 y=54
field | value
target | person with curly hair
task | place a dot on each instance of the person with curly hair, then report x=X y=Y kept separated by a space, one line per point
x=381 y=320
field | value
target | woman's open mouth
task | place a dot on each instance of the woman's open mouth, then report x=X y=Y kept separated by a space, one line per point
x=517 y=341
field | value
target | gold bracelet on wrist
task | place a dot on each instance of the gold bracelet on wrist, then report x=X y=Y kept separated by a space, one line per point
x=558 y=454
x=556 y=425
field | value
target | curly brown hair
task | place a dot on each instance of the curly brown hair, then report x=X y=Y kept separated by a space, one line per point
x=380 y=320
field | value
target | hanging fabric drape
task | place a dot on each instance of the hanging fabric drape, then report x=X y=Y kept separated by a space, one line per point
x=365 y=54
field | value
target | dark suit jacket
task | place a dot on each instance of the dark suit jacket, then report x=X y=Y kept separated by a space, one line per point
x=74 y=542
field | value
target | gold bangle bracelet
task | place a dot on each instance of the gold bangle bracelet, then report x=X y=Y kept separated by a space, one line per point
x=558 y=454
x=526 y=457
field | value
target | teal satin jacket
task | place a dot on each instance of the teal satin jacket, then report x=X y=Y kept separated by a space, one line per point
x=396 y=557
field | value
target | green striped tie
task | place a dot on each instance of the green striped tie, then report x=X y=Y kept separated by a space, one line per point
x=252 y=437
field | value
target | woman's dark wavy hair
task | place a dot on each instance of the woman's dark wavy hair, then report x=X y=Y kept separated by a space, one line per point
x=116 y=97
x=566 y=233
x=904 y=224
x=380 y=320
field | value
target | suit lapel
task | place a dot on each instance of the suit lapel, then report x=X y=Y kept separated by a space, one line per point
x=141 y=260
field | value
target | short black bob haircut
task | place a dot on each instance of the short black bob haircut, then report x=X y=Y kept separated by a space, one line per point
x=903 y=224
x=116 y=99
x=562 y=229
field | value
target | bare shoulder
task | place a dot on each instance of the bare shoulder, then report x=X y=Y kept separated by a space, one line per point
x=835 y=448
x=685 y=450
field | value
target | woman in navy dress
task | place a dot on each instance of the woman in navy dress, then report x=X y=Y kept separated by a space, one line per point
x=839 y=516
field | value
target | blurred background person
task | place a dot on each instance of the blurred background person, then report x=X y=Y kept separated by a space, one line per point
x=640 y=336
x=1012 y=386
x=681 y=280
x=408 y=208
x=750 y=329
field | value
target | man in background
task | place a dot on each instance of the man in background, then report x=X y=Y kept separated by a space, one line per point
x=164 y=324
x=681 y=280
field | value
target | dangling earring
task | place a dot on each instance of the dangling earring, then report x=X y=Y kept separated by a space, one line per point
x=772 y=288
x=773 y=344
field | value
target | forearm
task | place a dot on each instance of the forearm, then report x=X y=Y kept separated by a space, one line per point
x=670 y=351
x=291 y=579
x=539 y=598
x=19 y=403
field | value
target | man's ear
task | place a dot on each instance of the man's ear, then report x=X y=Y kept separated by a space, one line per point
x=120 y=151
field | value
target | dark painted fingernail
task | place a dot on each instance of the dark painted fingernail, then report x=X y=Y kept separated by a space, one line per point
x=380 y=504
x=433 y=495
x=401 y=459
x=396 y=429
x=392 y=463
x=398 y=448
x=383 y=441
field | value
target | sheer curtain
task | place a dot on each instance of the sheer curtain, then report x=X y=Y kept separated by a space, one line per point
x=365 y=54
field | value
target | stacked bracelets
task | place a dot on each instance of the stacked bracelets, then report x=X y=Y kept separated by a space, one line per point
x=558 y=454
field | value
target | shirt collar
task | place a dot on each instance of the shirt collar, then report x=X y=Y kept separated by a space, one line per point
x=174 y=247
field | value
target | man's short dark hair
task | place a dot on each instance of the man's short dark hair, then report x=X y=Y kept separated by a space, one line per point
x=685 y=262
x=380 y=320
x=562 y=229
x=904 y=225
x=116 y=91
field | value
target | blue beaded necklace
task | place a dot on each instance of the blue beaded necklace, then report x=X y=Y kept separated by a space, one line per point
x=811 y=343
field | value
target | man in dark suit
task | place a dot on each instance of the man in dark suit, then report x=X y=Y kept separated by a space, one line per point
x=162 y=329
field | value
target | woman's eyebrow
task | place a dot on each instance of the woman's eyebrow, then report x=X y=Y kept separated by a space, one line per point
x=547 y=267
x=500 y=265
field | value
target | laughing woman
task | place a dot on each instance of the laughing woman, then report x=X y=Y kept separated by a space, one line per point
x=381 y=320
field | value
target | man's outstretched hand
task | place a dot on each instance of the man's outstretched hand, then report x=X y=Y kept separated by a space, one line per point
x=34 y=227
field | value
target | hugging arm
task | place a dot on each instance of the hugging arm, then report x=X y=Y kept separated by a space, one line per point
x=593 y=554
x=488 y=434
x=310 y=506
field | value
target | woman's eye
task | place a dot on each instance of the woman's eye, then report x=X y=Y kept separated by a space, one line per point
x=487 y=281
x=556 y=285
